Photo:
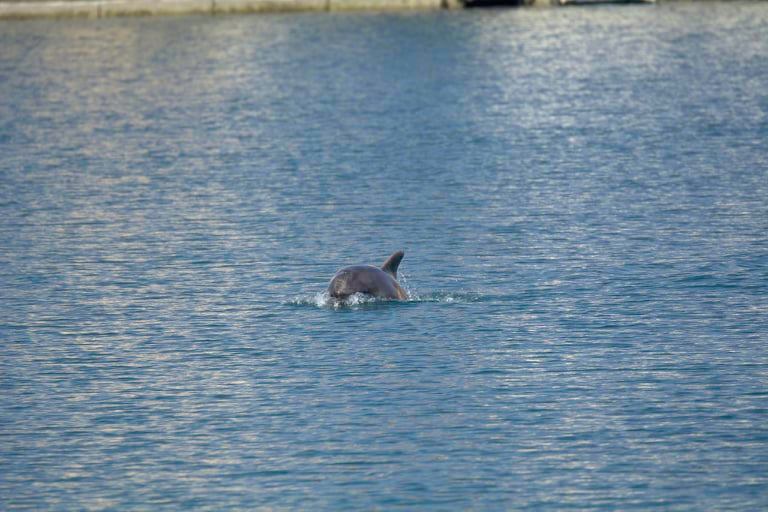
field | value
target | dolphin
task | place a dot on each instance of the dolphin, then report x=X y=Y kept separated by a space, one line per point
x=379 y=282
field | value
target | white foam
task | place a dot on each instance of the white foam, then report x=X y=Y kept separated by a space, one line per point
x=325 y=301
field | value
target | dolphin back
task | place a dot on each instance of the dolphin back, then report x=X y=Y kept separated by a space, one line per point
x=379 y=282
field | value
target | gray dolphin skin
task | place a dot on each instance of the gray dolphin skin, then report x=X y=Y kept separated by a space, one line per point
x=378 y=282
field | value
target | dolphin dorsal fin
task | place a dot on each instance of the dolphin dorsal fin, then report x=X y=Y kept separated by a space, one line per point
x=390 y=266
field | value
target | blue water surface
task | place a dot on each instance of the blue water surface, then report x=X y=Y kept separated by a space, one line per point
x=582 y=195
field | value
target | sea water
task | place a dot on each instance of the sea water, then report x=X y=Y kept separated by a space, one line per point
x=582 y=195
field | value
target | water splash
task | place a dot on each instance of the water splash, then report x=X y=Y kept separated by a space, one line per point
x=325 y=301
x=462 y=296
